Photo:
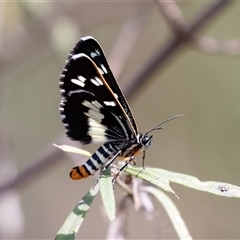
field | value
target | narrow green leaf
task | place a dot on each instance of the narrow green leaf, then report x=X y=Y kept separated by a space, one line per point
x=218 y=188
x=151 y=177
x=107 y=194
x=73 y=222
x=171 y=210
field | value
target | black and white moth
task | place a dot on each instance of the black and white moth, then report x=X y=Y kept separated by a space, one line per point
x=94 y=110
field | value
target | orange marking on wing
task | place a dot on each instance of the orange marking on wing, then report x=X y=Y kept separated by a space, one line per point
x=78 y=173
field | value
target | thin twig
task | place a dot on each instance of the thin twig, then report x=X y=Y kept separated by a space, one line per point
x=172 y=14
x=174 y=17
x=165 y=52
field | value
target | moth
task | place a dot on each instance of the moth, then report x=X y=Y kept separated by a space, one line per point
x=94 y=110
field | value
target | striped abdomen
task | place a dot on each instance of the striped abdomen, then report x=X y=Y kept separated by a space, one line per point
x=99 y=158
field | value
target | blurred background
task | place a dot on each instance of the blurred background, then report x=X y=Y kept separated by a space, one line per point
x=198 y=78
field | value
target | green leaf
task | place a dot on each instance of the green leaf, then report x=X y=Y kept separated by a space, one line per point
x=171 y=210
x=73 y=222
x=218 y=188
x=107 y=194
x=151 y=177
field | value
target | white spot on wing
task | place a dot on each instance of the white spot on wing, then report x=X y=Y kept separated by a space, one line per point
x=98 y=52
x=103 y=68
x=93 y=54
x=110 y=103
x=100 y=71
x=95 y=82
x=116 y=96
x=82 y=79
x=98 y=139
x=95 y=105
x=77 y=82
x=95 y=124
x=95 y=115
x=96 y=131
x=87 y=104
x=99 y=80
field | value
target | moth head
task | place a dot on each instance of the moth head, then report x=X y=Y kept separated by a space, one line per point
x=146 y=141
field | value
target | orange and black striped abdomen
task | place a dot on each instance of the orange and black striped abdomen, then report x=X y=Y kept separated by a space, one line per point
x=100 y=157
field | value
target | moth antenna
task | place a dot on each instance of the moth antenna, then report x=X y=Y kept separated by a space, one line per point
x=157 y=127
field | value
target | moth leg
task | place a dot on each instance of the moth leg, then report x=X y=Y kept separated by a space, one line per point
x=143 y=159
x=107 y=166
x=112 y=160
x=124 y=166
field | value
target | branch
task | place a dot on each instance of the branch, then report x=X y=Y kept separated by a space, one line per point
x=174 y=17
x=163 y=54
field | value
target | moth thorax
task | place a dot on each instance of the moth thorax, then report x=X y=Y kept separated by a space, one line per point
x=144 y=140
